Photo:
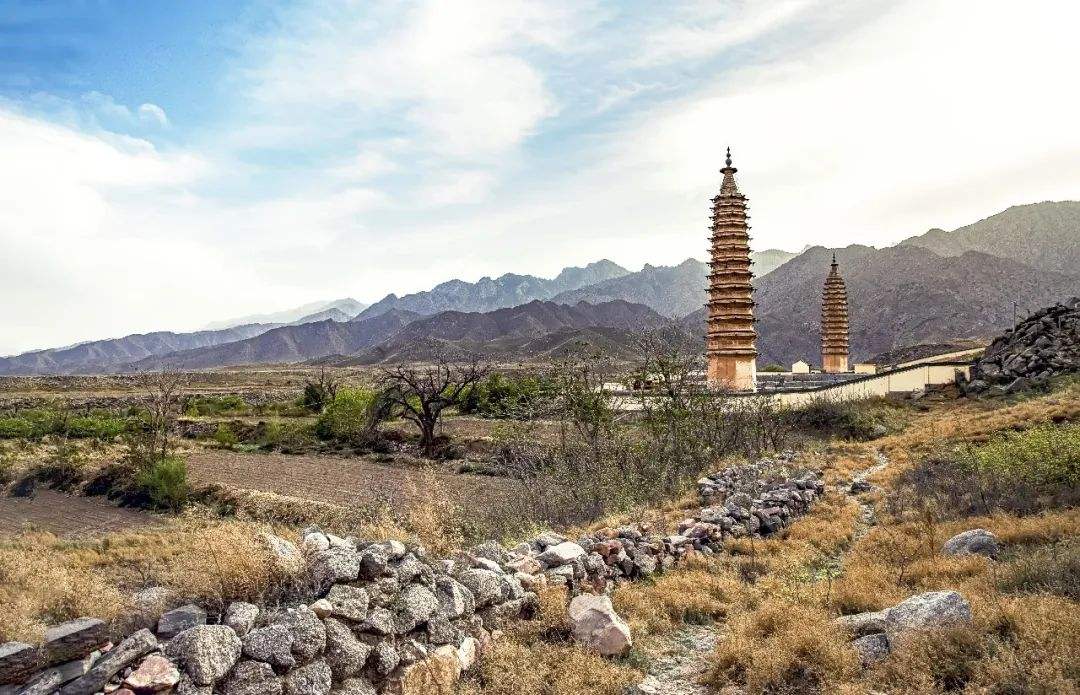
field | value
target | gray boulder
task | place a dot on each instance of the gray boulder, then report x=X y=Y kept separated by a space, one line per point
x=871 y=648
x=455 y=599
x=862 y=624
x=977 y=541
x=932 y=610
x=561 y=554
x=355 y=686
x=308 y=632
x=333 y=565
x=415 y=605
x=350 y=602
x=18 y=661
x=74 y=639
x=345 y=654
x=241 y=617
x=313 y=679
x=206 y=652
x=272 y=644
x=252 y=678
x=384 y=659
x=485 y=585
x=173 y=622
x=119 y=657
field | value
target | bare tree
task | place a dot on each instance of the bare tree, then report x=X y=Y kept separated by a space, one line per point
x=163 y=390
x=669 y=357
x=321 y=391
x=423 y=392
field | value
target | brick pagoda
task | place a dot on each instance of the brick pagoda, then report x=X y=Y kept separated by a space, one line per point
x=834 y=323
x=730 y=325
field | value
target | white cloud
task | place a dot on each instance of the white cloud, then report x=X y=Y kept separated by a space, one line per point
x=153 y=113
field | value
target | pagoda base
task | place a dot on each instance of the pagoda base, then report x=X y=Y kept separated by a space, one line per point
x=834 y=364
x=732 y=373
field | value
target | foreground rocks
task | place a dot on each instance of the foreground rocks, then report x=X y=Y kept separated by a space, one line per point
x=875 y=634
x=1042 y=346
x=384 y=617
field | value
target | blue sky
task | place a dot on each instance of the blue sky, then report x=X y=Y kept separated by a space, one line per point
x=170 y=163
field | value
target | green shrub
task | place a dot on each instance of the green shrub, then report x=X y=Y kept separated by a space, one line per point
x=773 y=369
x=202 y=406
x=97 y=426
x=1044 y=456
x=849 y=419
x=507 y=396
x=225 y=437
x=165 y=481
x=287 y=435
x=348 y=416
x=16 y=428
x=37 y=423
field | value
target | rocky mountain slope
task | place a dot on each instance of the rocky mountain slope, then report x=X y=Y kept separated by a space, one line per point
x=533 y=328
x=304 y=313
x=1045 y=236
x=296 y=343
x=107 y=355
x=488 y=294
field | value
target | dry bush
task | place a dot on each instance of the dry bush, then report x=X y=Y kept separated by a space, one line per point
x=783 y=647
x=539 y=657
x=1052 y=568
x=431 y=516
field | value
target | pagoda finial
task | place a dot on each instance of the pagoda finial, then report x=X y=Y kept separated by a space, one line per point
x=834 y=259
x=728 y=160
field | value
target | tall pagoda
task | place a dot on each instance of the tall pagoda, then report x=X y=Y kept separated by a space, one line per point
x=834 y=323
x=730 y=331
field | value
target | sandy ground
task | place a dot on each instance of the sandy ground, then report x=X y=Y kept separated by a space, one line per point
x=67 y=515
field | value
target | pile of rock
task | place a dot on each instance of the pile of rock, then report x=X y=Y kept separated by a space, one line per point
x=875 y=634
x=387 y=620
x=385 y=617
x=1044 y=345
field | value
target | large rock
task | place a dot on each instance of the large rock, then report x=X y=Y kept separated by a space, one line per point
x=119 y=657
x=455 y=599
x=74 y=639
x=871 y=648
x=384 y=659
x=438 y=673
x=333 y=565
x=596 y=626
x=206 y=652
x=345 y=654
x=977 y=541
x=272 y=644
x=241 y=617
x=561 y=554
x=415 y=605
x=862 y=624
x=252 y=678
x=286 y=557
x=173 y=622
x=932 y=610
x=350 y=602
x=312 y=679
x=18 y=661
x=154 y=674
x=355 y=686
x=308 y=632
x=485 y=585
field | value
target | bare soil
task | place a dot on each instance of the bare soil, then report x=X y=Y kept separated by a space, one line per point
x=67 y=516
x=343 y=481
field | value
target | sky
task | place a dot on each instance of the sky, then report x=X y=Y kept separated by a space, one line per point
x=167 y=164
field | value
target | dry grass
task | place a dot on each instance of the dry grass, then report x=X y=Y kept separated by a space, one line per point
x=44 y=580
x=783 y=646
x=698 y=592
x=538 y=656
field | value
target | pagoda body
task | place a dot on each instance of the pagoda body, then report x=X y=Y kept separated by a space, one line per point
x=730 y=331
x=834 y=323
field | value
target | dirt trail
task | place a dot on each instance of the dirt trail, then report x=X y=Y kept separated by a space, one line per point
x=685 y=659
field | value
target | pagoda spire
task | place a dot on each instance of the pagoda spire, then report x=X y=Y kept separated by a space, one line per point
x=730 y=333
x=834 y=322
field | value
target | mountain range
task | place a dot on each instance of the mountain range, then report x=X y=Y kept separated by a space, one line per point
x=314 y=311
x=937 y=287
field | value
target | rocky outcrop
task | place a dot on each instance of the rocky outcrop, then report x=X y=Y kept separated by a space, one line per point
x=1042 y=346
x=875 y=634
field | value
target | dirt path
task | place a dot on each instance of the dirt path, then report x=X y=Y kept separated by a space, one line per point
x=685 y=654
x=683 y=664
x=67 y=516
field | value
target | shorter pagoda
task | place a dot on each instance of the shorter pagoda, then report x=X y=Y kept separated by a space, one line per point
x=834 y=323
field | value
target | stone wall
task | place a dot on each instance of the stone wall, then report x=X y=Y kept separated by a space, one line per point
x=385 y=617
